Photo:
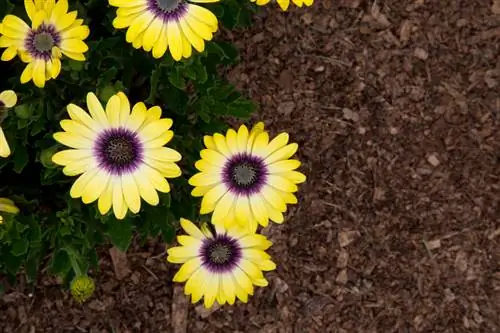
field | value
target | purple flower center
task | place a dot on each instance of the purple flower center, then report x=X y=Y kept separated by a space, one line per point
x=40 y=42
x=168 y=10
x=245 y=174
x=220 y=254
x=119 y=150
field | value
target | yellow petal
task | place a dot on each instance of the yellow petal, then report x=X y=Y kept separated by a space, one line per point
x=222 y=208
x=4 y=146
x=74 y=45
x=146 y=189
x=187 y=269
x=79 y=185
x=229 y=288
x=156 y=179
x=281 y=183
x=259 y=211
x=131 y=193
x=174 y=40
x=9 y=53
x=106 y=199
x=211 y=198
x=65 y=157
x=242 y=138
x=95 y=187
x=8 y=98
x=39 y=73
x=191 y=229
x=96 y=110
x=161 y=44
x=163 y=154
x=293 y=176
x=113 y=111
x=137 y=117
x=78 y=114
x=152 y=33
x=213 y=157
x=283 y=166
x=138 y=26
x=119 y=206
x=124 y=108
x=211 y=290
x=205 y=179
x=282 y=153
x=73 y=140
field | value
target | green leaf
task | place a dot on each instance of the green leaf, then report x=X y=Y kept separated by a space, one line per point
x=153 y=83
x=19 y=247
x=60 y=263
x=24 y=111
x=21 y=158
x=46 y=157
x=177 y=80
x=120 y=233
x=11 y=262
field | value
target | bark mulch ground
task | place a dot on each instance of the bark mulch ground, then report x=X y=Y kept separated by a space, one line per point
x=396 y=106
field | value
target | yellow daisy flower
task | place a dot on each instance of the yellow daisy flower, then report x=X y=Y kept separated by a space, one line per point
x=246 y=178
x=53 y=32
x=8 y=99
x=159 y=25
x=220 y=266
x=284 y=4
x=7 y=206
x=120 y=154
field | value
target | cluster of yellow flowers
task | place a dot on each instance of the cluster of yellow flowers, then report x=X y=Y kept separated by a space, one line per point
x=245 y=178
x=153 y=25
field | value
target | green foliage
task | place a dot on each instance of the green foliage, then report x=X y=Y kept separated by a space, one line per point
x=59 y=233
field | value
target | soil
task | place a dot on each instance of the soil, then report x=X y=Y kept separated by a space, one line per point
x=396 y=107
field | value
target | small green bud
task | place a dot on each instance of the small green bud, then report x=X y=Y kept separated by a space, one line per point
x=82 y=288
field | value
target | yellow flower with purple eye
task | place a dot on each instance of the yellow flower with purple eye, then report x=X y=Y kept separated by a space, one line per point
x=161 y=25
x=8 y=99
x=220 y=265
x=54 y=32
x=245 y=178
x=284 y=4
x=119 y=154
x=7 y=206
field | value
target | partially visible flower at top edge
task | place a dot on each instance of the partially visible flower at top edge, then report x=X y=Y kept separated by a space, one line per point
x=82 y=288
x=54 y=32
x=246 y=178
x=118 y=152
x=220 y=266
x=284 y=4
x=8 y=99
x=161 y=25
x=7 y=206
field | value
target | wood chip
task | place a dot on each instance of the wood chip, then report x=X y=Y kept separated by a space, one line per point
x=180 y=306
x=433 y=244
x=420 y=53
x=461 y=261
x=120 y=263
x=405 y=31
x=347 y=237
x=204 y=312
x=342 y=277
x=494 y=234
x=495 y=7
x=342 y=259
x=433 y=160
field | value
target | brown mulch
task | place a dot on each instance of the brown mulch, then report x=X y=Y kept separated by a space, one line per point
x=396 y=106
